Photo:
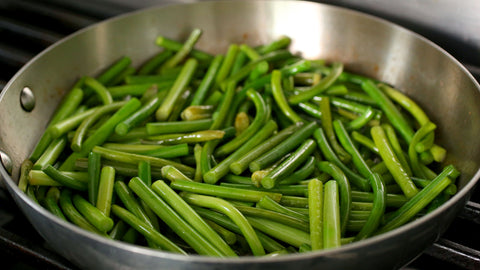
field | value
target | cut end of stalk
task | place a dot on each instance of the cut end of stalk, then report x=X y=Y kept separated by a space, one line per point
x=161 y=114
x=159 y=41
x=268 y=182
x=210 y=177
x=236 y=168
x=121 y=129
x=165 y=170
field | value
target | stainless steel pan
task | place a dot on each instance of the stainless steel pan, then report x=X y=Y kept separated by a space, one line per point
x=365 y=44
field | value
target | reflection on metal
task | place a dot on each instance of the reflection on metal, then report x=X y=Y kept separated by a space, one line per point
x=6 y=162
x=27 y=99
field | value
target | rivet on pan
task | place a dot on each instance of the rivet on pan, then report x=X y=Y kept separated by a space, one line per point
x=27 y=99
x=6 y=162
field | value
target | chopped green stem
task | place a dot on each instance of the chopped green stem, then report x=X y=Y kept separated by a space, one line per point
x=179 y=86
x=406 y=103
x=135 y=158
x=180 y=138
x=283 y=148
x=315 y=213
x=348 y=145
x=39 y=178
x=139 y=116
x=392 y=113
x=180 y=105
x=146 y=230
x=224 y=192
x=290 y=164
x=228 y=236
x=153 y=63
x=269 y=204
x=245 y=70
x=344 y=190
x=31 y=193
x=237 y=179
x=281 y=43
x=207 y=81
x=145 y=172
x=225 y=106
x=391 y=200
x=285 y=233
x=177 y=46
x=69 y=105
x=292 y=190
x=173 y=174
x=260 y=69
x=158 y=79
x=280 y=99
x=327 y=126
x=139 y=148
x=63 y=179
x=379 y=205
x=197 y=153
x=130 y=236
x=101 y=91
x=326 y=82
x=394 y=142
x=135 y=90
x=329 y=155
x=94 y=171
x=241 y=164
x=222 y=168
x=109 y=74
x=25 y=169
x=331 y=216
x=88 y=122
x=173 y=219
x=268 y=243
x=51 y=202
x=362 y=120
x=365 y=141
x=51 y=154
x=420 y=200
x=183 y=52
x=105 y=189
x=275 y=216
x=121 y=168
x=301 y=174
x=102 y=133
x=118 y=230
x=412 y=153
x=97 y=218
x=233 y=213
x=254 y=127
x=224 y=69
x=310 y=109
x=127 y=197
x=156 y=128
x=426 y=143
x=240 y=61
x=72 y=214
x=187 y=213
x=250 y=52
x=392 y=162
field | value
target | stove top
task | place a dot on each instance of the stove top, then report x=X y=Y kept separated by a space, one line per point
x=29 y=26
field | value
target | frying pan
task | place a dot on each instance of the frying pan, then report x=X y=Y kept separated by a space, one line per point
x=367 y=45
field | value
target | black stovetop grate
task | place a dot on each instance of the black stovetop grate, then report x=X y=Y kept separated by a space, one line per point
x=28 y=26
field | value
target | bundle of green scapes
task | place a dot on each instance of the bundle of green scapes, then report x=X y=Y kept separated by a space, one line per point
x=254 y=152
